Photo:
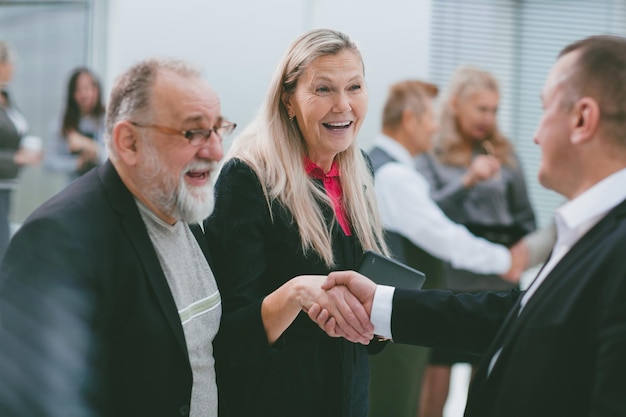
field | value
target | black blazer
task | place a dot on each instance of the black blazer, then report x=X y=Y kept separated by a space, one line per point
x=565 y=355
x=89 y=322
x=305 y=373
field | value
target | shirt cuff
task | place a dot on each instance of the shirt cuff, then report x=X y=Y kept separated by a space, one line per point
x=381 y=311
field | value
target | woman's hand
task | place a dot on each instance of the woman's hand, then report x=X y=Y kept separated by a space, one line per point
x=82 y=144
x=351 y=294
x=280 y=308
x=27 y=157
x=483 y=167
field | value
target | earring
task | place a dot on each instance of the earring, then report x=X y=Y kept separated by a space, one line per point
x=291 y=117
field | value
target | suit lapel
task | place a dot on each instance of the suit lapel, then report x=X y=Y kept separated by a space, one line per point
x=196 y=229
x=509 y=331
x=564 y=270
x=123 y=203
x=507 y=328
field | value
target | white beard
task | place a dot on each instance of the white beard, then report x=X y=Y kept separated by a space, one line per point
x=176 y=198
x=194 y=204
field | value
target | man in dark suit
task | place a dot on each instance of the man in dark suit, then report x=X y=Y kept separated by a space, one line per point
x=558 y=348
x=107 y=302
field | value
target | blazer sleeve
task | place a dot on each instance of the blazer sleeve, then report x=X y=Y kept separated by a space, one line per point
x=440 y=318
x=235 y=234
x=47 y=312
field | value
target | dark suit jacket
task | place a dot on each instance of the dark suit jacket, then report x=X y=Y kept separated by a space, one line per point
x=89 y=325
x=305 y=373
x=565 y=355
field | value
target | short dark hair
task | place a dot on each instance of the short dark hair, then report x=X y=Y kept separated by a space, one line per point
x=600 y=72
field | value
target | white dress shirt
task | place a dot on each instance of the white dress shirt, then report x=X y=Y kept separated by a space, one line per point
x=406 y=208
x=573 y=220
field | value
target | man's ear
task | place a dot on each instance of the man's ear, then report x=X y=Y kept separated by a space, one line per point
x=408 y=116
x=124 y=139
x=585 y=120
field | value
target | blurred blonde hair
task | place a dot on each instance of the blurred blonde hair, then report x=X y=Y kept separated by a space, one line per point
x=449 y=147
x=274 y=148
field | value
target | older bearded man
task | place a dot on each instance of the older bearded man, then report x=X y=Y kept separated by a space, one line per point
x=108 y=303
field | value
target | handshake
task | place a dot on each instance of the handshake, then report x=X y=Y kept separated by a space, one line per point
x=341 y=304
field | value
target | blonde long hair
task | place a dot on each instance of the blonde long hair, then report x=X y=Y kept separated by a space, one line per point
x=449 y=147
x=274 y=148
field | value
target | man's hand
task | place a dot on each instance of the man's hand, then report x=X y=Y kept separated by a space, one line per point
x=519 y=262
x=347 y=312
x=351 y=294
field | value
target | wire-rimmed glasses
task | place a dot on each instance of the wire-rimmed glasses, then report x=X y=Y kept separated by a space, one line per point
x=196 y=137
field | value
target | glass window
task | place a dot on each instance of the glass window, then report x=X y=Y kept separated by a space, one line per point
x=517 y=41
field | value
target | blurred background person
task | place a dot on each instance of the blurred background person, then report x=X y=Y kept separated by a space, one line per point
x=14 y=152
x=294 y=197
x=77 y=144
x=538 y=244
x=418 y=233
x=477 y=180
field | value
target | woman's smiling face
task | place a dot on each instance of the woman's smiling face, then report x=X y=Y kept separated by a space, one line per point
x=329 y=105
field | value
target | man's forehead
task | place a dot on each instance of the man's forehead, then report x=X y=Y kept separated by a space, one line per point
x=186 y=96
x=560 y=72
x=168 y=80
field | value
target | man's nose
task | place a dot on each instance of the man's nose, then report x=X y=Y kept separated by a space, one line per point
x=212 y=150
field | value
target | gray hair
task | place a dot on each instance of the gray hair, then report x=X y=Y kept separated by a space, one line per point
x=130 y=96
x=7 y=55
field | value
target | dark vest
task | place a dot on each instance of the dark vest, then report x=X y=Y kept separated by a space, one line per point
x=401 y=248
x=9 y=142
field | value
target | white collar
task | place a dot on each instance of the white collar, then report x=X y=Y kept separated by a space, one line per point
x=394 y=149
x=583 y=212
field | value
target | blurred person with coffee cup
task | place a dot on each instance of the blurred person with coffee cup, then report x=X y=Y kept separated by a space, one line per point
x=16 y=149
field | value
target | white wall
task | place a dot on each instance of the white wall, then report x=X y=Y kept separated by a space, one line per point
x=238 y=43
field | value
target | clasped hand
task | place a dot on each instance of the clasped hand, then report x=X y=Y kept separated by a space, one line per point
x=345 y=307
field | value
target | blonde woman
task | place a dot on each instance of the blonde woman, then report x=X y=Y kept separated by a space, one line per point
x=294 y=197
x=477 y=180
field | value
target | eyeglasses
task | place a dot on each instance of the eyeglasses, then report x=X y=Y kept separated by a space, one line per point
x=196 y=137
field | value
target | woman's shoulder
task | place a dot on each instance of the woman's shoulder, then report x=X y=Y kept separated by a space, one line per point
x=237 y=167
x=237 y=173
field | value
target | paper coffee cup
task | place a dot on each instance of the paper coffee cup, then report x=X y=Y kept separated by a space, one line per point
x=31 y=143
